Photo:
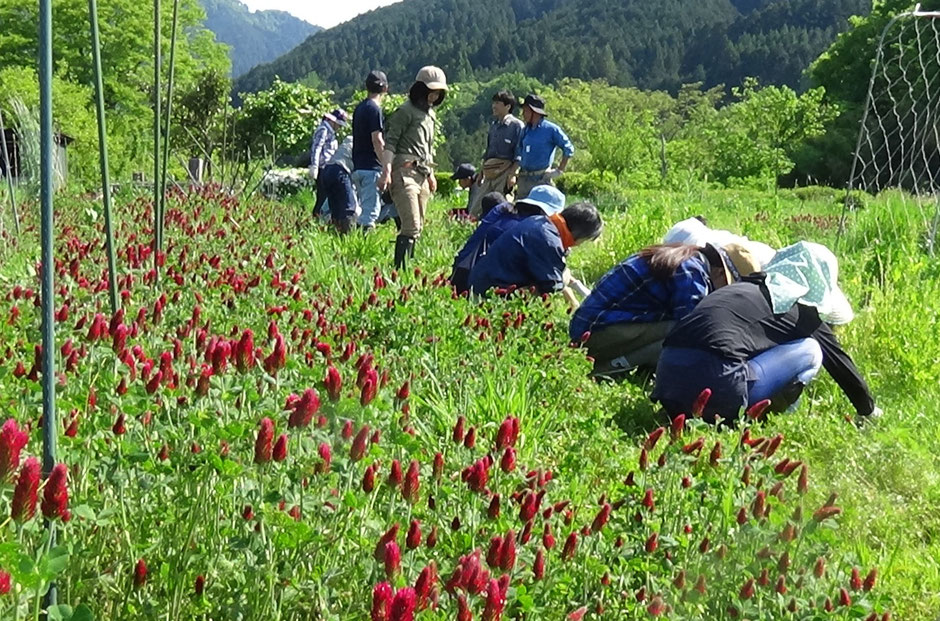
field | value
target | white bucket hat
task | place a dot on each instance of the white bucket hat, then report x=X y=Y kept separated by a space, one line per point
x=808 y=273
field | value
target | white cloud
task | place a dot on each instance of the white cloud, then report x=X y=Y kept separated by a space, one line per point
x=326 y=13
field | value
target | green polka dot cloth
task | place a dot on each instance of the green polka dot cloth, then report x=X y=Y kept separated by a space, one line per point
x=807 y=273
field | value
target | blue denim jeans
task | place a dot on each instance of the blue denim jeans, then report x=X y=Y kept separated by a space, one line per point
x=370 y=200
x=797 y=361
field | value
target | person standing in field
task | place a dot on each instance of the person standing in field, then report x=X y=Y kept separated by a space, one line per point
x=337 y=186
x=408 y=162
x=322 y=148
x=499 y=159
x=368 y=146
x=535 y=152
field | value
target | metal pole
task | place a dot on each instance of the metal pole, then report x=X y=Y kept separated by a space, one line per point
x=47 y=171
x=9 y=174
x=103 y=157
x=157 y=197
x=169 y=111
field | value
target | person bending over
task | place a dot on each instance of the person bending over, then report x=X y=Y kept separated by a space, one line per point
x=636 y=303
x=544 y=200
x=762 y=338
x=695 y=231
x=531 y=253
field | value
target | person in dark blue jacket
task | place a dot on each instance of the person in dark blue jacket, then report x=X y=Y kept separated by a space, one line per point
x=543 y=200
x=531 y=253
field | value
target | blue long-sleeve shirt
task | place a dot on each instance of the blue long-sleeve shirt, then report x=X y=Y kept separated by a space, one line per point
x=536 y=147
x=629 y=293
x=529 y=253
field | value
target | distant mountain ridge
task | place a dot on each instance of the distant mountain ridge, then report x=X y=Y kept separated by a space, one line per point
x=652 y=45
x=254 y=37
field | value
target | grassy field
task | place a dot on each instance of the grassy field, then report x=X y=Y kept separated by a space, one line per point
x=457 y=362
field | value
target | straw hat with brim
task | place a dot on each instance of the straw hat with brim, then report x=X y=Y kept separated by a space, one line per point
x=548 y=198
x=735 y=260
x=808 y=273
x=432 y=77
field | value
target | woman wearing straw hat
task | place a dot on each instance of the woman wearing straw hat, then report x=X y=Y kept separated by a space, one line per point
x=409 y=157
x=762 y=338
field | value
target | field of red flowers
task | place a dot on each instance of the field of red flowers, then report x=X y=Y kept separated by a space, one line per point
x=276 y=425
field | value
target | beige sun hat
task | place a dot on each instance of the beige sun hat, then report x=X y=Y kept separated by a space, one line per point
x=432 y=77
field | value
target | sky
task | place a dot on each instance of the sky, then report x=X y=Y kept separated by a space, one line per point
x=325 y=13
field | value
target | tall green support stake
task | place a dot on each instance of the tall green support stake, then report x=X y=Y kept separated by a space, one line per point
x=47 y=170
x=103 y=156
x=169 y=112
x=8 y=174
x=157 y=196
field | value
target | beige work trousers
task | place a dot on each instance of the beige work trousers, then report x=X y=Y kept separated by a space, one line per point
x=496 y=184
x=410 y=193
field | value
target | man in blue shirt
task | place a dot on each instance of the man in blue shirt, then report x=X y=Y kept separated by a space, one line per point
x=368 y=145
x=535 y=153
x=531 y=253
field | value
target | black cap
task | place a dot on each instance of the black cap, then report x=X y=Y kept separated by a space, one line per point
x=464 y=171
x=376 y=82
x=490 y=201
x=536 y=103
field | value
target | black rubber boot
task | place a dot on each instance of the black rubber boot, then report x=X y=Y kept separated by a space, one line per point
x=344 y=225
x=404 y=249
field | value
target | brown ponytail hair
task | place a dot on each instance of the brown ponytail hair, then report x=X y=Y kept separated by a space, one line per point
x=665 y=259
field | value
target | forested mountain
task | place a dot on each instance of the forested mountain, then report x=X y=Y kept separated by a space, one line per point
x=257 y=37
x=652 y=45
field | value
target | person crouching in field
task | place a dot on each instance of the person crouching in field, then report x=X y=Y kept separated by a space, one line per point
x=635 y=304
x=337 y=186
x=695 y=231
x=544 y=200
x=531 y=253
x=466 y=177
x=762 y=338
x=409 y=157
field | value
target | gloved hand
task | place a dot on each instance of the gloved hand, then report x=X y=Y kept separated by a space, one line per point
x=553 y=173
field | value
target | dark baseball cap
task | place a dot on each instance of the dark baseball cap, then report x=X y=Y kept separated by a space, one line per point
x=464 y=171
x=376 y=82
x=536 y=103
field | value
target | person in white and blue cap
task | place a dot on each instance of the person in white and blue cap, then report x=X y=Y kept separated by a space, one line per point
x=763 y=338
x=544 y=200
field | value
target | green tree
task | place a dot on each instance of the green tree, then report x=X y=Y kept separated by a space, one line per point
x=280 y=120
x=19 y=95
x=127 y=58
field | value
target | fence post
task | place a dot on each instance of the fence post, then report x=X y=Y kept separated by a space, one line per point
x=157 y=197
x=47 y=172
x=103 y=157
